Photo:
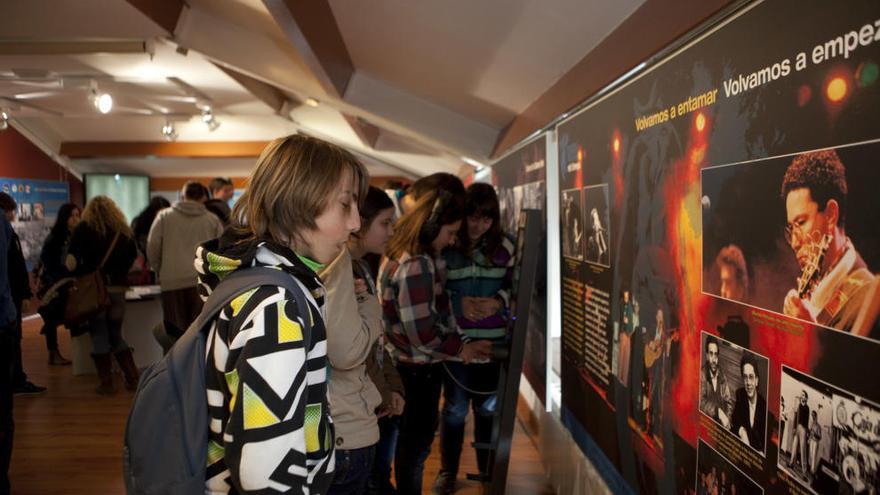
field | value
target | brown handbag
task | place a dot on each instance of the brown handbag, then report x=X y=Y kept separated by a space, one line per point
x=88 y=294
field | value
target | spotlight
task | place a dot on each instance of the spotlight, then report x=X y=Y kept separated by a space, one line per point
x=312 y=102
x=103 y=101
x=4 y=120
x=169 y=131
x=209 y=120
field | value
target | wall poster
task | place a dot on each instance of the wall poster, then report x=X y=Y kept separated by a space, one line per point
x=720 y=248
x=519 y=179
x=37 y=202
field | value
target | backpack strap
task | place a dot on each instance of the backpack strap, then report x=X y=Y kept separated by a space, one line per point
x=248 y=278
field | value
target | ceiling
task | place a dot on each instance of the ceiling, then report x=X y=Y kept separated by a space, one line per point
x=412 y=88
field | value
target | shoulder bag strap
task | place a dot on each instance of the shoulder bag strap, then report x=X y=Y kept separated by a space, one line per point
x=109 y=251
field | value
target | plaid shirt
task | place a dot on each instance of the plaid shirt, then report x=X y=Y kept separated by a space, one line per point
x=418 y=317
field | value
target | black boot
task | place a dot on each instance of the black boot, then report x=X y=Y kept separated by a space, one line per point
x=104 y=366
x=129 y=370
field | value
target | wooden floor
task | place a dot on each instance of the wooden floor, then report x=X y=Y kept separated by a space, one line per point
x=69 y=440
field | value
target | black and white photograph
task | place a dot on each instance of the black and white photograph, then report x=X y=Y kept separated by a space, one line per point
x=829 y=438
x=716 y=475
x=573 y=236
x=733 y=389
x=597 y=225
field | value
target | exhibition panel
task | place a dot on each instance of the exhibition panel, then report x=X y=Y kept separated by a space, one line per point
x=719 y=241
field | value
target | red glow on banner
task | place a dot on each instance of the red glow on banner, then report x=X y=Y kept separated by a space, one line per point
x=684 y=238
x=804 y=95
x=579 y=175
x=617 y=168
x=700 y=122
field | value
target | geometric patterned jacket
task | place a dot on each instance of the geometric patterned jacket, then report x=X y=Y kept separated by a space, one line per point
x=270 y=429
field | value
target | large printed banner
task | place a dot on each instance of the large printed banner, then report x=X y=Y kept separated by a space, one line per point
x=519 y=179
x=38 y=202
x=720 y=240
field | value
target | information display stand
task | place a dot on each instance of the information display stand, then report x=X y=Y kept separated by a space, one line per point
x=510 y=353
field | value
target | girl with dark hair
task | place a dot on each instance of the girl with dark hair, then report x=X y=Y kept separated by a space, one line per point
x=358 y=390
x=419 y=323
x=377 y=228
x=52 y=260
x=480 y=271
x=141 y=224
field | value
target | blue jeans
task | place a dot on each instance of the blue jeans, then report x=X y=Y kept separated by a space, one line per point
x=480 y=377
x=422 y=383
x=352 y=470
x=380 y=479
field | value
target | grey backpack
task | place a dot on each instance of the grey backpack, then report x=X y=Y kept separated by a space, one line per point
x=166 y=437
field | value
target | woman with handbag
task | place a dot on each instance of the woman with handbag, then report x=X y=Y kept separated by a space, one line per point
x=53 y=270
x=100 y=252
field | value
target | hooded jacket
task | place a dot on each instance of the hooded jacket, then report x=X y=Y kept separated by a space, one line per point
x=266 y=376
x=173 y=239
x=354 y=324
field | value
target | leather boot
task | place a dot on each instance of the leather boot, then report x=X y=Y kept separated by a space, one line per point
x=55 y=358
x=105 y=374
x=126 y=362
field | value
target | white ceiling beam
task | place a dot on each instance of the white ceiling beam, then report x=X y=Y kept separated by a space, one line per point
x=448 y=130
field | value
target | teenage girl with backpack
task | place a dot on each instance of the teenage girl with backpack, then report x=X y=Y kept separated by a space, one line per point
x=266 y=368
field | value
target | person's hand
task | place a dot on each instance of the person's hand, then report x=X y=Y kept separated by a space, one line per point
x=722 y=417
x=743 y=435
x=470 y=308
x=397 y=404
x=477 y=349
x=796 y=307
x=394 y=408
x=489 y=306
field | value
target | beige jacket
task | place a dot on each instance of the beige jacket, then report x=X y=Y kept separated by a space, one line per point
x=353 y=326
x=173 y=239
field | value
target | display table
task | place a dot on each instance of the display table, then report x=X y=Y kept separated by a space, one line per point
x=143 y=311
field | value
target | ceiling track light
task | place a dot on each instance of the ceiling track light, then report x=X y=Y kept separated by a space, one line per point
x=209 y=119
x=103 y=102
x=168 y=131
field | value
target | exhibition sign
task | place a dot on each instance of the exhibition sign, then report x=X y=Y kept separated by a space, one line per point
x=720 y=239
x=37 y=205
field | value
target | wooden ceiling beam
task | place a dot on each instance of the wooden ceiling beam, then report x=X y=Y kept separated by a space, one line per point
x=366 y=132
x=73 y=47
x=164 y=13
x=277 y=100
x=161 y=149
x=311 y=28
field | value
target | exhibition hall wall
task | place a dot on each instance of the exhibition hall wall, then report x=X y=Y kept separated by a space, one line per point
x=720 y=235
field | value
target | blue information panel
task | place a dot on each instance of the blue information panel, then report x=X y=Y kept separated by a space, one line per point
x=37 y=202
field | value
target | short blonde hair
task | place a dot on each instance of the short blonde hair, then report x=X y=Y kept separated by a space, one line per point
x=291 y=186
x=105 y=218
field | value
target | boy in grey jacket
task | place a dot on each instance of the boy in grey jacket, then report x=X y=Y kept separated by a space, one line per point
x=171 y=245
